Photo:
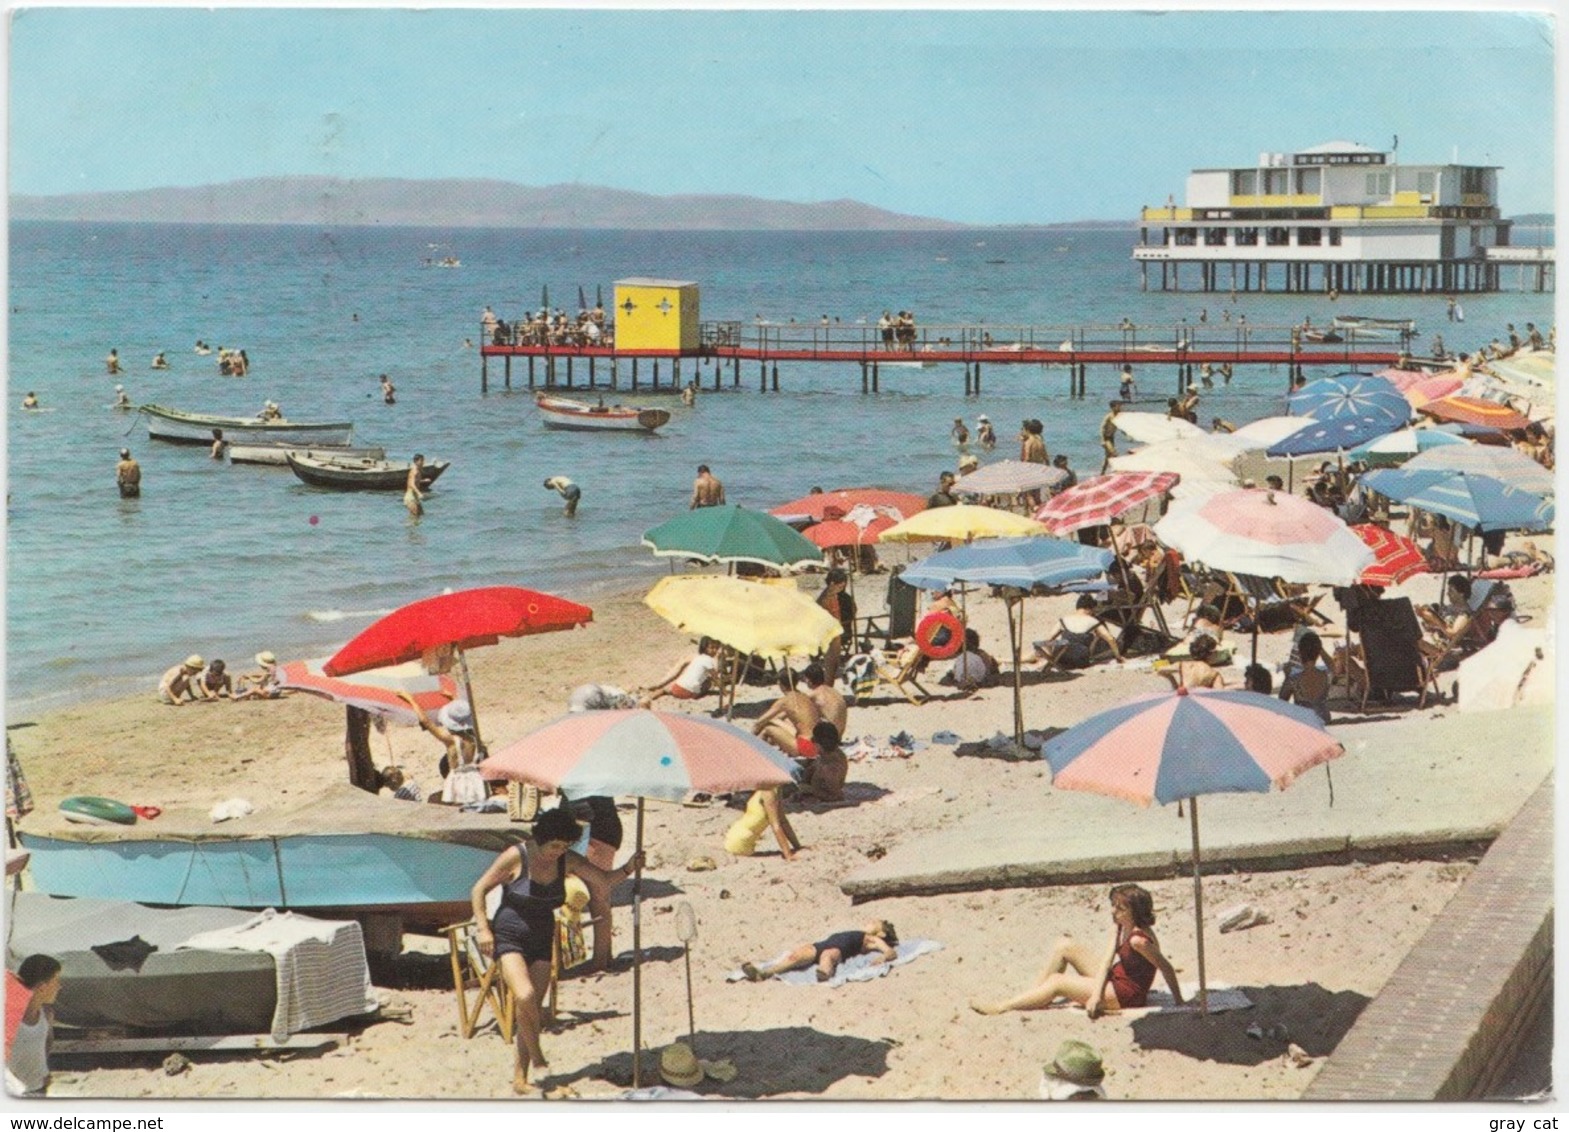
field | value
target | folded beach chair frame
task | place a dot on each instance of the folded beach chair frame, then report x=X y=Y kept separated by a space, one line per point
x=902 y=677
x=477 y=981
x=1140 y=621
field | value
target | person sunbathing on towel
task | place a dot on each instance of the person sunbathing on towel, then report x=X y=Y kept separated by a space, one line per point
x=1121 y=981
x=689 y=679
x=1196 y=671
x=827 y=954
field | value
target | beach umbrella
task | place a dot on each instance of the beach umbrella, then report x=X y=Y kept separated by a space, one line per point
x=835 y=533
x=837 y=504
x=1395 y=447
x=1473 y=500
x=1154 y=428
x=651 y=754
x=1517 y=669
x=1402 y=379
x=961 y=523
x=436 y=629
x=1009 y=477
x=1096 y=501
x=1266 y=431
x=730 y=534
x=1175 y=746
x=1395 y=557
x=1349 y=395
x=1515 y=468
x=1333 y=435
x=1267 y=534
x=374 y=690
x=1192 y=460
x=751 y=617
x=1432 y=388
x=1476 y=411
x=1020 y=566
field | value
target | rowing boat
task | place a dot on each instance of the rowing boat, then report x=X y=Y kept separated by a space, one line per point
x=274 y=453
x=179 y=427
x=347 y=473
x=563 y=412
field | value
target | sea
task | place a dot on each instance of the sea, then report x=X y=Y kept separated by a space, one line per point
x=103 y=594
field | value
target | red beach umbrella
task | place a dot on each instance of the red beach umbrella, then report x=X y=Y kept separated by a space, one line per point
x=461 y=620
x=1395 y=557
x=1476 y=411
x=456 y=621
x=820 y=506
x=833 y=533
x=1096 y=501
x=651 y=754
x=1432 y=388
x=374 y=690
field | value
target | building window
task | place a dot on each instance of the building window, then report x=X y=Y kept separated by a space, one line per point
x=1186 y=237
x=1426 y=183
x=1277 y=237
x=1309 y=181
x=1244 y=182
x=1215 y=237
x=1334 y=237
x=1309 y=237
x=1247 y=237
x=1378 y=184
x=1277 y=182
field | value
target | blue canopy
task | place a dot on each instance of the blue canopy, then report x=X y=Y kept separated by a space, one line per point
x=1350 y=395
x=1480 y=502
x=1330 y=435
x=1024 y=563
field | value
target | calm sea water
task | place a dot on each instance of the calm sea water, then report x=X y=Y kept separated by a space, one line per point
x=103 y=594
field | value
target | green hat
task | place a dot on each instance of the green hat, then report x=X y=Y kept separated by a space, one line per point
x=1077 y=1062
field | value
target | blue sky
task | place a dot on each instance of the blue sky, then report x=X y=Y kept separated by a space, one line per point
x=998 y=117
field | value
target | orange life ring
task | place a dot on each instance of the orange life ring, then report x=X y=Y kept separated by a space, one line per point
x=929 y=636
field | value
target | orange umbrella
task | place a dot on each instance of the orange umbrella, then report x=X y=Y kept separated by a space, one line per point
x=822 y=504
x=1475 y=411
x=840 y=532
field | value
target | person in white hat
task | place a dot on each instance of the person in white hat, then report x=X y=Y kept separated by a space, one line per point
x=179 y=683
x=261 y=684
x=985 y=433
x=454 y=728
x=122 y=399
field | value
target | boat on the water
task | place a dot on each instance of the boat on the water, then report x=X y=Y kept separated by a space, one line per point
x=274 y=453
x=344 y=852
x=1361 y=326
x=179 y=427
x=563 y=412
x=352 y=473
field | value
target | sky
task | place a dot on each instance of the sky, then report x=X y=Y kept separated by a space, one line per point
x=1000 y=117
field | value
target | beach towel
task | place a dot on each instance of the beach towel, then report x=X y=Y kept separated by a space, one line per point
x=1502 y=573
x=321 y=966
x=858 y=970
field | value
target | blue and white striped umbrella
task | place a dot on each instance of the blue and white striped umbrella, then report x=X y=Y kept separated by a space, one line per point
x=1393 y=447
x=1350 y=395
x=1020 y=562
x=1333 y=435
x=1477 y=501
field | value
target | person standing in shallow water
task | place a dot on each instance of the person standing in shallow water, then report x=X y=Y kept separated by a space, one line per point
x=707 y=491
x=128 y=475
x=413 y=492
x=389 y=392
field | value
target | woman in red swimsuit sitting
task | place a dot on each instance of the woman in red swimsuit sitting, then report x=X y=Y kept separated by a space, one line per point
x=1121 y=981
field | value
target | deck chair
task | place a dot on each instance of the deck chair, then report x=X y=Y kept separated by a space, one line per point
x=897 y=621
x=1066 y=651
x=1136 y=612
x=901 y=676
x=479 y=976
x=1389 y=660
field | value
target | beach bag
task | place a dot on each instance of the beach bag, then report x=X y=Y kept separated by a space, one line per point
x=464 y=786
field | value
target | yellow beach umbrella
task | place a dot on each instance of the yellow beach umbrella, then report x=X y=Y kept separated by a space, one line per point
x=961 y=523
x=755 y=618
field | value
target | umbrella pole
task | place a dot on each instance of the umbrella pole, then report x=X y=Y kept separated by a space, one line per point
x=468 y=692
x=1198 y=902
x=637 y=957
x=1016 y=639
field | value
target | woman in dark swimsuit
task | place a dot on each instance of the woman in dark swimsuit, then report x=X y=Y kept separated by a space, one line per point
x=1121 y=981
x=533 y=876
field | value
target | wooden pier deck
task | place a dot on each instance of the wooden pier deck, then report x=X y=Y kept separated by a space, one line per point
x=1074 y=349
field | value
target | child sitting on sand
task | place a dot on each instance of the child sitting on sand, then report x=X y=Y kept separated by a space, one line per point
x=827 y=954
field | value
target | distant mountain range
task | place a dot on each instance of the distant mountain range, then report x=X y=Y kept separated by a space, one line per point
x=331 y=201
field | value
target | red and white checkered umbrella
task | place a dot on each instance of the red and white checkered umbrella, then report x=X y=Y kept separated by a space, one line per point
x=1096 y=501
x=1395 y=557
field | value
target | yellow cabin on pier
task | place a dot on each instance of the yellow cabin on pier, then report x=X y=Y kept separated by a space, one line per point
x=656 y=314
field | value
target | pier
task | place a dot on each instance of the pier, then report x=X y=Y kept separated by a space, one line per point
x=733 y=349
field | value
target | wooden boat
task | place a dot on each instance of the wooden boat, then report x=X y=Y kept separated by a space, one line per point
x=1364 y=327
x=273 y=453
x=343 y=852
x=179 y=427
x=350 y=473
x=563 y=412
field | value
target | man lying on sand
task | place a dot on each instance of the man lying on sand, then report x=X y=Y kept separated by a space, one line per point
x=827 y=954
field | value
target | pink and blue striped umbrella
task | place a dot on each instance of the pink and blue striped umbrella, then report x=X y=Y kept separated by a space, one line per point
x=652 y=754
x=1178 y=745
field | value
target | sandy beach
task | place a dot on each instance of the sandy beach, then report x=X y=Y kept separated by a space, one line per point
x=1335 y=933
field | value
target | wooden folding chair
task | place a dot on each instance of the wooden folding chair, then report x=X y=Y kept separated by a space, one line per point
x=901 y=677
x=479 y=975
